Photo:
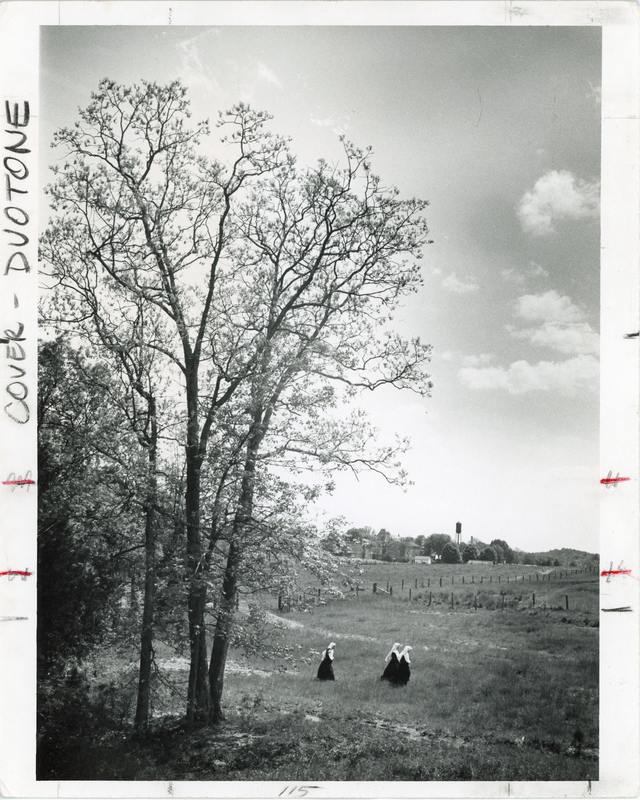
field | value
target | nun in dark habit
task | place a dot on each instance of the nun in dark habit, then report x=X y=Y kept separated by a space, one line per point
x=325 y=670
x=391 y=659
x=404 y=670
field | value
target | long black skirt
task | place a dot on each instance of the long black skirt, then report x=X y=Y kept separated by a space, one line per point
x=404 y=672
x=391 y=670
x=325 y=670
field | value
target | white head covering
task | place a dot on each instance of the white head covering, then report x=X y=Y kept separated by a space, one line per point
x=329 y=651
x=394 y=649
x=405 y=653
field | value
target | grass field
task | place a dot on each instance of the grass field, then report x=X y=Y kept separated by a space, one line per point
x=508 y=694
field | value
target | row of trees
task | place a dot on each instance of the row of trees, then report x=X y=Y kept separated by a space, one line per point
x=438 y=544
x=215 y=319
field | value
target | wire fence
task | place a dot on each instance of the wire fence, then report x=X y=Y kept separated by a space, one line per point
x=480 y=591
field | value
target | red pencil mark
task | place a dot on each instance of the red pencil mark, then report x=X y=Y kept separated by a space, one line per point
x=21 y=482
x=608 y=481
x=24 y=572
x=606 y=572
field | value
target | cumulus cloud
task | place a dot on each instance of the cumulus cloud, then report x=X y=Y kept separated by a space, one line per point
x=520 y=276
x=480 y=360
x=548 y=307
x=266 y=74
x=453 y=284
x=562 y=325
x=557 y=195
x=577 y=338
x=570 y=377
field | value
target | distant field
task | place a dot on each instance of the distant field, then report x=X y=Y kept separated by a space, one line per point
x=495 y=694
x=482 y=585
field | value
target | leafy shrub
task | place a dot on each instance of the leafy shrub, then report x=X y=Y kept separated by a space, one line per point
x=451 y=554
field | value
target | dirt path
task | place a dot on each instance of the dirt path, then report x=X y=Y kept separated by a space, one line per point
x=325 y=632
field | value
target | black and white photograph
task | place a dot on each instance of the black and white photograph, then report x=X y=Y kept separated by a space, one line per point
x=320 y=477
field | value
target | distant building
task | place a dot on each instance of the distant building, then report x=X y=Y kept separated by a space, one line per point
x=477 y=561
x=362 y=550
x=422 y=559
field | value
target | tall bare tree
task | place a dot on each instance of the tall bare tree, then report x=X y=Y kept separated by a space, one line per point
x=156 y=218
x=325 y=255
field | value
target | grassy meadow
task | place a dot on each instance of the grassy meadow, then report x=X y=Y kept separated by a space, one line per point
x=509 y=694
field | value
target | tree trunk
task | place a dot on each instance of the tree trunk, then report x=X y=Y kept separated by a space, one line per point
x=148 y=609
x=224 y=623
x=198 y=695
x=230 y=582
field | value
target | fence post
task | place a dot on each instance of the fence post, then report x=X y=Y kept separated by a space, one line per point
x=481 y=578
x=391 y=591
x=566 y=602
x=402 y=587
x=357 y=590
x=452 y=580
x=475 y=600
x=498 y=578
x=490 y=578
x=387 y=584
x=533 y=600
x=537 y=577
x=409 y=593
x=422 y=583
x=502 y=593
x=416 y=583
x=429 y=598
x=463 y=579
x=428 y=582
x=375 y=588
x=451 y=599
x=441 y=581
x=279 y=602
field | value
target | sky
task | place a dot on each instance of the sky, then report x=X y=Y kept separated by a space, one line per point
x=499 y=128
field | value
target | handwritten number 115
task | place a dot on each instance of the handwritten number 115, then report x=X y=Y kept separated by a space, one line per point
x=297 y=791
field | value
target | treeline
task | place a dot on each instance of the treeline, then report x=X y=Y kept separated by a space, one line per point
x=210 y=325
x=365 y=542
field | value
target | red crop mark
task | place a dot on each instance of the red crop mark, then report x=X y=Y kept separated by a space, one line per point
x=20 y=482
x=608 y=481
x=24 y=572
x=606 y=572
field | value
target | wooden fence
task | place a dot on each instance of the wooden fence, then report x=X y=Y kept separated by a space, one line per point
x=424 y=589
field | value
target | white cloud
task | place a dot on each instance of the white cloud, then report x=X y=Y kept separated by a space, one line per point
x=548 y=307
x=520 y=276
x=454 y=284
x=477 y=361
x=570 y=377
x=324 y=122
x=537 y=271
x=268 y=75
x=338 y=126
x=577 y=338
x=194 y=72
x=557 y=195
x=562 y=328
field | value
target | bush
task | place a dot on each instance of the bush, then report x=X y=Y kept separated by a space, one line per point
x=488 y=554
x=451 y=554
x=469 y=553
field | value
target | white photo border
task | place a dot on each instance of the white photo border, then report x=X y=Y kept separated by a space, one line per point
x=619 y=733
